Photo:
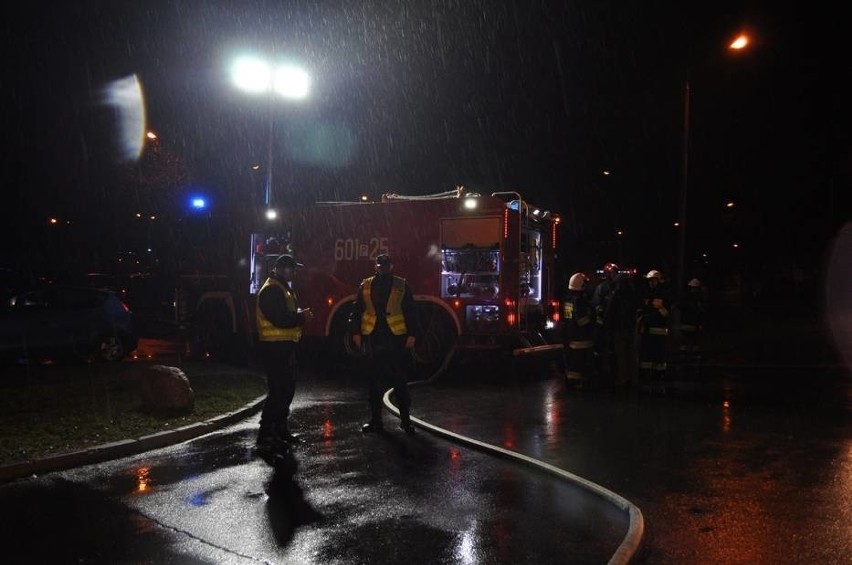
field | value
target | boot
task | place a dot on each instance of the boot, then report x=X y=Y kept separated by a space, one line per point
x=405 y=423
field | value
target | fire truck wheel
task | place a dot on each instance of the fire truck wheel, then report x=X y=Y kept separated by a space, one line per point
x=439 y=335
x=340 y=337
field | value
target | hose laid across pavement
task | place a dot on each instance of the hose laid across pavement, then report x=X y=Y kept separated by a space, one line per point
x=629 y=546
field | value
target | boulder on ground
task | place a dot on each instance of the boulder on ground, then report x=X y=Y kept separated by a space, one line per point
x=164 y=388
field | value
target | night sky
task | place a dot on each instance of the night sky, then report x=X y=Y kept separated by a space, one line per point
x=416 y=97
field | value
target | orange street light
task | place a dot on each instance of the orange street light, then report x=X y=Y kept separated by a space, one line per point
x=740 y=42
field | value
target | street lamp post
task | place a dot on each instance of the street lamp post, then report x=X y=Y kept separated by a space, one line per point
x=256 y=76
x=684 y=187
x=741 y=42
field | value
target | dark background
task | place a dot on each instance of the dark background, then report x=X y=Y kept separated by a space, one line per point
x=417 y=97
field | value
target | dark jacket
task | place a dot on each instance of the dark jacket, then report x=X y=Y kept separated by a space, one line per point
x=622 y=308
x=578 y=317
x=692 y=309
x=656 y=307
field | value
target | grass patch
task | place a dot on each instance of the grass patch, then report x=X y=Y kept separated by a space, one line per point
x=50 y=418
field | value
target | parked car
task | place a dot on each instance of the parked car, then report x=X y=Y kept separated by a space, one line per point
x=88 y=323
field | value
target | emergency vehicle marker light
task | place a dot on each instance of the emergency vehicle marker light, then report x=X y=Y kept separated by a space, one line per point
x=470 y=203
x=456 y=303
x=505 y=224
x=329 y=300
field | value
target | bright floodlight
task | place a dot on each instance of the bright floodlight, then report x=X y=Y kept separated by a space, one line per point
x=256 y=76
x=291 y=82
x=251 y=75
x=271 y=214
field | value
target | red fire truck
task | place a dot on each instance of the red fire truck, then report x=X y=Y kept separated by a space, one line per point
x=481 y=268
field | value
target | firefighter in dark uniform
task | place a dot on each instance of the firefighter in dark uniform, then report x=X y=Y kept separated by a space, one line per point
x=279 y=328
x=692 y=310
x=653 y=329
x=386 y=326
x=604 y=349
x=578 y=330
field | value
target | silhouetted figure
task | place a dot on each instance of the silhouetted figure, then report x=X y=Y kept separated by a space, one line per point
x=653 y=328
x=578 y=331
x=620 y=317
x=279 y=329
x=386 y=329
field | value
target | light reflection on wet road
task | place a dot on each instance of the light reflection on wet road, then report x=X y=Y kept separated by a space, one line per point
x=722 y=472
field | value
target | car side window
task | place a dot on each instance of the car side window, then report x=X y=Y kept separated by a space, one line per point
x=74 y=299
x=32 y=301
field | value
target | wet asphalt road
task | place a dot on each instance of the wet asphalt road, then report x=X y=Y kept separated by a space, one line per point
x=353 y=499
x=726 y=467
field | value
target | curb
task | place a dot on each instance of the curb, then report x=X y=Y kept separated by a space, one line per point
x=633 y=539
x=114 y=450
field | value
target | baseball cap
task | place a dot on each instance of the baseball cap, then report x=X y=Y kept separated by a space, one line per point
x=285 y=261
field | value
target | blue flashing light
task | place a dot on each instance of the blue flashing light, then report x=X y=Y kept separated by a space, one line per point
x=198 y=203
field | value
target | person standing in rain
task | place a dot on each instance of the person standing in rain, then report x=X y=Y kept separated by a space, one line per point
x=578 y=331
x=654 y=329
x=692 y=310
x=620 y=317
x=279 y=328
x=386 y=332
x=604 y=347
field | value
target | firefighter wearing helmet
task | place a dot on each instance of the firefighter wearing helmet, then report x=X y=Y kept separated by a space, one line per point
x=578 y=324
x=600 y=298
x=692 y=309
x=653 y=329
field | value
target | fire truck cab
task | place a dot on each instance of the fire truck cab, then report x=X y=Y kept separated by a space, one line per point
x=481 y=268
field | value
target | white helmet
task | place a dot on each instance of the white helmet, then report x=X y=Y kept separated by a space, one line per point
x=654 y=274
x=694 y=283
x=577 y=281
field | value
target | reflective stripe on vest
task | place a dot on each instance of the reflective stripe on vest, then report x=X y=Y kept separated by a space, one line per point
x=393 y=309
x=266 y=331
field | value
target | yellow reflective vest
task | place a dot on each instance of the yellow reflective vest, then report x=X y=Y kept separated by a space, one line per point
x=395 y=318
x=266 y=331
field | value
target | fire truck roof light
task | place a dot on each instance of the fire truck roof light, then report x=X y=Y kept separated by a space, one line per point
x=470 y=203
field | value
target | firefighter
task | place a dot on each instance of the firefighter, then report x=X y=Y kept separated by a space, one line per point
x=603 y=350
x=692 y=310
x=279 y=328
x=386 y=333
x=578 y=330
x=653 y=327
x=620 y=321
